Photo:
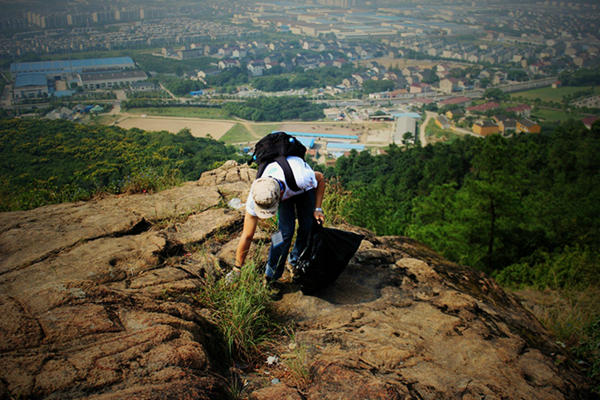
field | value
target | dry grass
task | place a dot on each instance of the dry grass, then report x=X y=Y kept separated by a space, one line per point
x=198 y=127
x=566 y=314
x=573 y=317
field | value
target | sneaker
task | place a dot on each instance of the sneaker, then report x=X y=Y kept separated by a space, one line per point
x=274 y=286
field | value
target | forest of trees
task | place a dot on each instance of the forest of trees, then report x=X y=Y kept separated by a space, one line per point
x=275 y=109
x=44 y=162
x=492 y=204
x=314 y=78
x=581 y=77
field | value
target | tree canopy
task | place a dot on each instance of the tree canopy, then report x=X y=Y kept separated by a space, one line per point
x=275 y=109
x=488 y=202
x=45 y=162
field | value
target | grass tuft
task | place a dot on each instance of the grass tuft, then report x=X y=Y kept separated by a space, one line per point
x=298 y=364
x=242 y=311
x=573 y=317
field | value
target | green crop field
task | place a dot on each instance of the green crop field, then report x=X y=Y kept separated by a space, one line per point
x=264 y=129
x=550 y=94
x=549 y=114
x=247 y=133
x=193 y=112
x=239 y=133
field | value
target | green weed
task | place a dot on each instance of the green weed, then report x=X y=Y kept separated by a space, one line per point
x=297 y=363
x=242 y=311
x=335 y=202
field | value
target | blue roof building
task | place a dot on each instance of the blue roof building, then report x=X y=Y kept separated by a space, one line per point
x=36 y=79
x=322 y=135
x=342 y=146
x=66 y=66
x=25 y=80
x=407 y=114
x=309 y=143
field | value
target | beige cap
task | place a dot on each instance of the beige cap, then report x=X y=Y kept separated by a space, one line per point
x=266 y=194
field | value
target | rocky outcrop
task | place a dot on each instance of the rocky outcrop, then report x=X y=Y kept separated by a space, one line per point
x=86 y=296
x=401 y=322
x=95 y=303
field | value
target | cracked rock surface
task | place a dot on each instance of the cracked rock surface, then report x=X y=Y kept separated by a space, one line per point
x=94 y=304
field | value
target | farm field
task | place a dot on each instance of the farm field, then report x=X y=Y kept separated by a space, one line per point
x=204 y=123
x=336 y=128
x=187 y=112
x=550 y=94
x=198 y=127
x=238 y=134
x=548 y=114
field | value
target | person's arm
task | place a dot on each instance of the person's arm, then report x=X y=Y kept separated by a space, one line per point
x=250 y=222
x=319 y=196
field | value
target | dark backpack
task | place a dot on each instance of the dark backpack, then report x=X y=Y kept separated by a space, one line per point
x=277 y=146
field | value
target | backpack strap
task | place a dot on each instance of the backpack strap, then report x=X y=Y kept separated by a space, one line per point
x=287 y=172
x=290 y=181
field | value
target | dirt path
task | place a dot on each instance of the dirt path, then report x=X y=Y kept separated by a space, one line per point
x=462 y=131
x=422 y=136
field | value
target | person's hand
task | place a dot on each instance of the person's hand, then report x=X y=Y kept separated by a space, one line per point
x=233 y=275
x=319 y=215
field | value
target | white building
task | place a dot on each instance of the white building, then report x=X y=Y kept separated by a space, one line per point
x=403 y=125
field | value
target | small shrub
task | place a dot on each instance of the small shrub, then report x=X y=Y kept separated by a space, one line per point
x=573 y=317
x=149 y=181
x=573 y=267
x=297 y=363
x=242 y=311
x=335 y=201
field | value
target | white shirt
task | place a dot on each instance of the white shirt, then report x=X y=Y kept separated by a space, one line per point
x=303 y=174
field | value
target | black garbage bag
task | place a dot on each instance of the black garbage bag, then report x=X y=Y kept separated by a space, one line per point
x=326 y=255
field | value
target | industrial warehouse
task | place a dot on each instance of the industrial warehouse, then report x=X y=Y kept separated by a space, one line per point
x=59 y=78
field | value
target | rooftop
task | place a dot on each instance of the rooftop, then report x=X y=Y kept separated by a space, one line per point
x=484 y=107
x=24 y=80
x=68 y=65
x=344 y=146
x=110 y=75
x=324 y=135
x=455 y=100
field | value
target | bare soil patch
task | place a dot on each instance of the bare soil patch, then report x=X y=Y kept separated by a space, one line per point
x=198 y=127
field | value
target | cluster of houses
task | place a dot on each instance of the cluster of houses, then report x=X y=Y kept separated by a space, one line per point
x=288 y=54
x=168 y=31
x=549 y=33
x=497 y=123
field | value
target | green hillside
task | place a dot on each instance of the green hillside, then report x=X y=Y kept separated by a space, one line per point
x=44 y=162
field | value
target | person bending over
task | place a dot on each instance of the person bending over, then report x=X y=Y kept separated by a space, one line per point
x=269 y=195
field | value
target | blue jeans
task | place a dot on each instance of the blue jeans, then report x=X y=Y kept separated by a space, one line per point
x=302 y=206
